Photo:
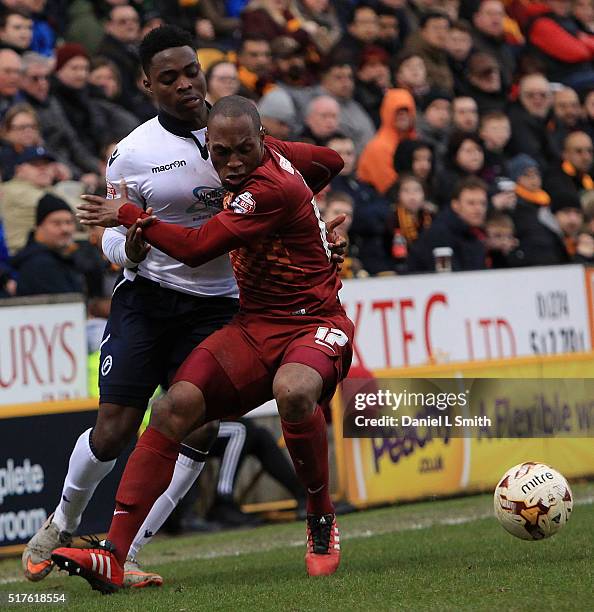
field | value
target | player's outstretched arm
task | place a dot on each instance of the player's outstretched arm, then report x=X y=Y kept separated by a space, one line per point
x=317 y=165
x=191 y=246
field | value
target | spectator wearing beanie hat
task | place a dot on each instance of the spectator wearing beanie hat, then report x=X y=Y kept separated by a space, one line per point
x=95 y=121
x=277 y=117
x=46 y=264
x=372 y=80
x=530 y=197
x=555 y=239
x=69 y=86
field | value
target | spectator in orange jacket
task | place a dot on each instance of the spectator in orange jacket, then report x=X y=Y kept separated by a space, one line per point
x=397 y=115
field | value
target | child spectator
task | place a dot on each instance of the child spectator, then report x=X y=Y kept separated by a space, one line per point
x=495 y=132
x=338 y=203
x=530 y=197
x=410 y=218
x=501 y=243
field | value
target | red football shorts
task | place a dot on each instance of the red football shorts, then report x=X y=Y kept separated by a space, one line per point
x=234 y=367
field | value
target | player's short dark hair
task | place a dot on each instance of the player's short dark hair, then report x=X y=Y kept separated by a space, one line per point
x=236 y=106
x=470 y=183
x=162 y=38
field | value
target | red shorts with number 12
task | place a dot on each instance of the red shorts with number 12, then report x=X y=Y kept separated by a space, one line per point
x=234 y=367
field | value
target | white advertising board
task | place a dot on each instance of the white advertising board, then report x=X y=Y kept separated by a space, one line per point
x=43 y=353
x=466 y=316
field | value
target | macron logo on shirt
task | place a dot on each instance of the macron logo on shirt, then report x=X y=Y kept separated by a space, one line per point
x=176 y=164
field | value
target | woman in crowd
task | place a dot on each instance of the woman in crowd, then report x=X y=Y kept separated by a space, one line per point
x=416 y=157
x=19 y=129
x=465 y=158
x=221 y=81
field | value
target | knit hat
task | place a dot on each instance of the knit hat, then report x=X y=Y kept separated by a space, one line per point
x=560 y=200
x=47 y=205
x=274 y=105
x=432 y=95
x=68 y=51
x=520 y=164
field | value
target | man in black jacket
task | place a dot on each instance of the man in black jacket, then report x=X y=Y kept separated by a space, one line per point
x=122 y=35
x=555 y=240
x=47 y=263
x=573 y=172
x=457 y=227
x=529 y=118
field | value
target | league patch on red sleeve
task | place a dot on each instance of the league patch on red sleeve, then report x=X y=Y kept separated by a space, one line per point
x=243 y=204
x=111 y=192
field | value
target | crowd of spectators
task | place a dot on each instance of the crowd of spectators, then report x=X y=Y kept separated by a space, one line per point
x=465 y=124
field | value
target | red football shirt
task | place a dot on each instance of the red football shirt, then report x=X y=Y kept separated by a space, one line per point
x=273 y=230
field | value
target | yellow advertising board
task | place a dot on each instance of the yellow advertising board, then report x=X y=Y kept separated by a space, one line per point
x=425 y=462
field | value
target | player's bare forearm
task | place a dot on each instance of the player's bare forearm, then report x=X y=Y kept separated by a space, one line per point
x=191 y=246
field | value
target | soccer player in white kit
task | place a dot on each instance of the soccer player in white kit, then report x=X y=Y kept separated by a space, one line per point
x=161 y=309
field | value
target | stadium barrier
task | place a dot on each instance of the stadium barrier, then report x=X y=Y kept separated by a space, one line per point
x=401 y=323
x=43 y=349
x=421 y=464
x=467 y=316
x=37 y=440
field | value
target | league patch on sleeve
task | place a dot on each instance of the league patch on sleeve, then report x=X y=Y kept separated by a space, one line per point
x=243 y=204
x=111 y=194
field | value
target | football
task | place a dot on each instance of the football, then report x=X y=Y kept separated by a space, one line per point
x=532 y=501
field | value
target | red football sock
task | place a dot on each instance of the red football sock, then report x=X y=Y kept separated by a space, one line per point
x=307 y=443
x=147 y=475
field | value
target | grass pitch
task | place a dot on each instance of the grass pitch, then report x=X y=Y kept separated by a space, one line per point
x=439 y=555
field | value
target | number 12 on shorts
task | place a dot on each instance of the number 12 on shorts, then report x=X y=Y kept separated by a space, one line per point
x=328 y=336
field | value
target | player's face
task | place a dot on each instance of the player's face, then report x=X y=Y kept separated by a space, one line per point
x=177 y=83
x=236 y=149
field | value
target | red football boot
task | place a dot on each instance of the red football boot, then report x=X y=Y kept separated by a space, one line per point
x=97 y=565
x=323 y=545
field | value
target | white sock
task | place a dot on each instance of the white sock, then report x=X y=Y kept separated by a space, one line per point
x=85 y=472
x=184 y=476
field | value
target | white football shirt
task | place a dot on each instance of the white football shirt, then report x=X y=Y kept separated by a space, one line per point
x=164 y=168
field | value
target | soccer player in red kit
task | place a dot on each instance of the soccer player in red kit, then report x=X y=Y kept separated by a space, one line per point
x=291 y=340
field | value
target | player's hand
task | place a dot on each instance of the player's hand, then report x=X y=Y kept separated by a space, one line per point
x=336 y=242
x=101 y=211
x=136 y=247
